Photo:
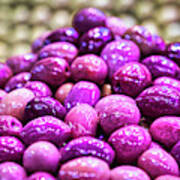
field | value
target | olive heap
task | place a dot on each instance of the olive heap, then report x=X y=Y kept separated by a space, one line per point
x=96 y=101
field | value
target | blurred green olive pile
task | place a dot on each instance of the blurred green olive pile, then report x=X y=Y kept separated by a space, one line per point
x=21 y=21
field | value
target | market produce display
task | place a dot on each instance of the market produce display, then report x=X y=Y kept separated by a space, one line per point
x=95 y=101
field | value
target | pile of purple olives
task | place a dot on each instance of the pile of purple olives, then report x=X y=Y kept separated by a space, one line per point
x=95 y=101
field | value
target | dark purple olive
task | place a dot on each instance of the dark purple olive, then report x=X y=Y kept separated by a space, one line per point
x=65 y=34
x=17 y=81
x=175 y=151
x=94 y=40
x=88 y=18
x=21 y=63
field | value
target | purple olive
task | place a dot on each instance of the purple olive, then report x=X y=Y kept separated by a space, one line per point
x=38 y=88
x=21 y=63
x=41 y=156
x=159 y=100
x=161 y=66
x=119 y=52
x=94 y=40
x=12 y=171
x=53 y=71
x=5 y=74
x=88 y=18
x=131 y=79
x=82 y=92
x=40 y=106
x=17 y=81
x=175 y=151
x=10 y=125
x=64 y=50
x=46 y=128
x=65 y=34
x=89 y=67
x=41 y=176
x=167 y=177
x=173 y=51
x=129 y=143
x=11 y=149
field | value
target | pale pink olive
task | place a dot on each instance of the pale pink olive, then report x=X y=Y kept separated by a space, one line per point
x=128 y=172
x=85 y=168
x=12 y=171
x=83 y=120
x=15 y=102
x=2 y=94
x=41 y=156
x=41 y=176
x=167 y=177
x=157 y=162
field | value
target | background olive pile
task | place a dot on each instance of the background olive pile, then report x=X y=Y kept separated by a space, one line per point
x=21 y=21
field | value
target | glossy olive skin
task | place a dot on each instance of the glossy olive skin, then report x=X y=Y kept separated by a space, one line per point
x=85 y=168
x=5 y=74
x=10 y=126
x=167 y=177
x=82 y=92
x=88 y=18
x=2 y=94
x=161 y=66
x=83 y=120
x=157 y=162
x=11 y=170
x=116 y=25
x=129 y=142
x=131 y=79
x=90 y=146
x=38 y=88
x=40 y=106
x=125 y=172
x=158 y=100
x=53 y=71
x=175 y=151
x=119 y=52
x=166 y=130
x=46 y=128
x=21 y=63
x=65 y=34
x=173 y=51
x=40 y=176
x=41 y=156
x=17 y=81
x=11 y=149
x=64 y=50
x=94 y=40
x=89 y=67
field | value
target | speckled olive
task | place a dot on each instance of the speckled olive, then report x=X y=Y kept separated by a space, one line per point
x=128 y=172
x=167 y=177
x=119 y=52
x=9 y=125
x=89 y=67
x=94 y=40
x=129 y=142
x=64 y=50
x=17 y=81
x=85 y=168
x=131 y=79
x=21 y=63
x=159 y=100
x=83 y=120
x=38 y=88
x=166 y=130
x=175 y=151
x=65 y=34
x=40 y=106
x=157 y=162
x=11 y=149
x=15 y=102
x=88 y=18
x=2 y=94
x=12 y=171
x=46 y=128
x=116 y=25
x=53 y=71
x=161 y=66
x=41 y=156
x=5 y=74
x=63 y=91
x=41 y=176
x=84 y=146
x=173 y=51
x=82 y=92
